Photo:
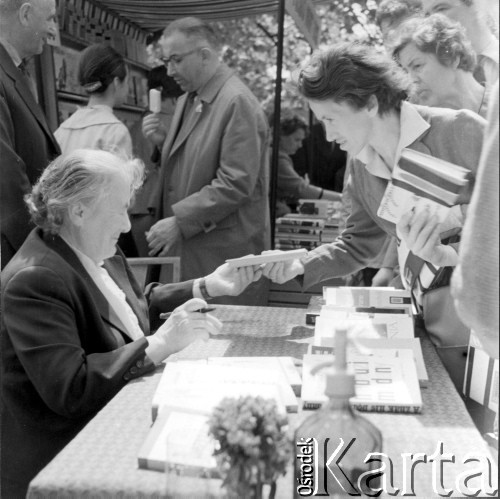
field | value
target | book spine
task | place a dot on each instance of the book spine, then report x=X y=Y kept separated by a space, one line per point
x=311 y=405
x=397 y=409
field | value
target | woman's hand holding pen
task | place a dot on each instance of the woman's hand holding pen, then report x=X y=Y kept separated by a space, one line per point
x=185 y=324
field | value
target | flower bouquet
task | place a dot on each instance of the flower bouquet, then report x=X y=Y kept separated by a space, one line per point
x=252 y=445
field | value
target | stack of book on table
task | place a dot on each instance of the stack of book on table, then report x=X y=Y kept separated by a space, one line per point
x=318 y=207
x=297 y=231
x=316 y=222
x=331 y=228
x=188 y=392
x=384 y=353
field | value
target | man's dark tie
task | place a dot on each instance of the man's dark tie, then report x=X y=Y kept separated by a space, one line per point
x=29 y=80
x=189 y=105
x=187 y=109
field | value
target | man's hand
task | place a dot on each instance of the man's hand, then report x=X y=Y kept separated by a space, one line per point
x=228 y=281
x=184 y=326
x=281 y=272
x=162 y=236
x=154 y=129
x=421 y=233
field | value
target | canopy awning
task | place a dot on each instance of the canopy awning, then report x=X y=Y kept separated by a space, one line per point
x=152 y=15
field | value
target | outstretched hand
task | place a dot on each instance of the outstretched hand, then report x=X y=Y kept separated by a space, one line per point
x=281 y=272
x=229 y=281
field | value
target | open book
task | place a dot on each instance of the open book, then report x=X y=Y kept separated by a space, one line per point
x=420 y=180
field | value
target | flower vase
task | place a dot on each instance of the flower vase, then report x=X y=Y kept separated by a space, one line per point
x=246 y=482
x=254 y=491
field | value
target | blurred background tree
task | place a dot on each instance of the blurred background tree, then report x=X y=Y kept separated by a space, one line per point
x=250 y=45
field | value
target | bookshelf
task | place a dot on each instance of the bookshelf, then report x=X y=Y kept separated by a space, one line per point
x=82 y=23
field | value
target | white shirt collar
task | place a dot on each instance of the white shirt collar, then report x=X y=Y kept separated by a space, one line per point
x=491 y=50
x=412 y=126
x=120 y=311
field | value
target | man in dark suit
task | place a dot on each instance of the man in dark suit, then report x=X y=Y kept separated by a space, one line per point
x=26 y=142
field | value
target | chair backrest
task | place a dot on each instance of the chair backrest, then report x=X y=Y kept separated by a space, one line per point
x=169 y=271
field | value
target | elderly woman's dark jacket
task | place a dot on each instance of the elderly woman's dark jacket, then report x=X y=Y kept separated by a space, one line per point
x=62 y=359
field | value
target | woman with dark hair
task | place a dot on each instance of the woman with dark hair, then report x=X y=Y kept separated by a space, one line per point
x=360 y=96
x=103 y=74
x=291 y=186
x=439 y=58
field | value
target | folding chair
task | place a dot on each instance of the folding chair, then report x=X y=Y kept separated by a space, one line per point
x=164 y=269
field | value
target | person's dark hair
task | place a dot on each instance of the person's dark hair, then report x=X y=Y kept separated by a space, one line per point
x=158 y=77
x=438 y=35
x=99 y=65
x=290 y=122
x=352 y=73
x=192 y=27
x=395 y=12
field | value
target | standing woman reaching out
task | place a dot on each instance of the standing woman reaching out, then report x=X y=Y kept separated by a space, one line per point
x=360 y=96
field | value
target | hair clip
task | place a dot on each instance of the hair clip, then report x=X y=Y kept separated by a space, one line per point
x=92 y=87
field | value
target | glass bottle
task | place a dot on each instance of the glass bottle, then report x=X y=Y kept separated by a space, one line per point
x=333 y=443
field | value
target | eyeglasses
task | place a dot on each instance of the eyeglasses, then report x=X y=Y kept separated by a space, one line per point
x=176 y=59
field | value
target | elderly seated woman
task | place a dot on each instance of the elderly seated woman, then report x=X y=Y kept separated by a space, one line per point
x=360 y=96
x=439 y=58
x=75 y=330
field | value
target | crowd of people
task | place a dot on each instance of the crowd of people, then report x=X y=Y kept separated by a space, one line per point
x=75 y=324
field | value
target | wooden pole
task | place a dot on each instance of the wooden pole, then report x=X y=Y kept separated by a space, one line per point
x=277 y=116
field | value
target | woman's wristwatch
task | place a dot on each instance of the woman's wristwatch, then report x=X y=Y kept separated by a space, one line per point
x=200 y=289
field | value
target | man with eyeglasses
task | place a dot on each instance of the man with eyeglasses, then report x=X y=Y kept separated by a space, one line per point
x=212 y=197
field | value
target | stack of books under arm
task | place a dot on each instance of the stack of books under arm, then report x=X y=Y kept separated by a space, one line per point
x=384 y=353
x=188 y=392
x=315 y=223
x=422 y=181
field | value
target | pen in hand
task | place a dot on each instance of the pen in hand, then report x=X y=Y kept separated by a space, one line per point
x=166 y=315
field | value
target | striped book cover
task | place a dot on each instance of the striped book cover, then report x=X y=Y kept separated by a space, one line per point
x=420 y=180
